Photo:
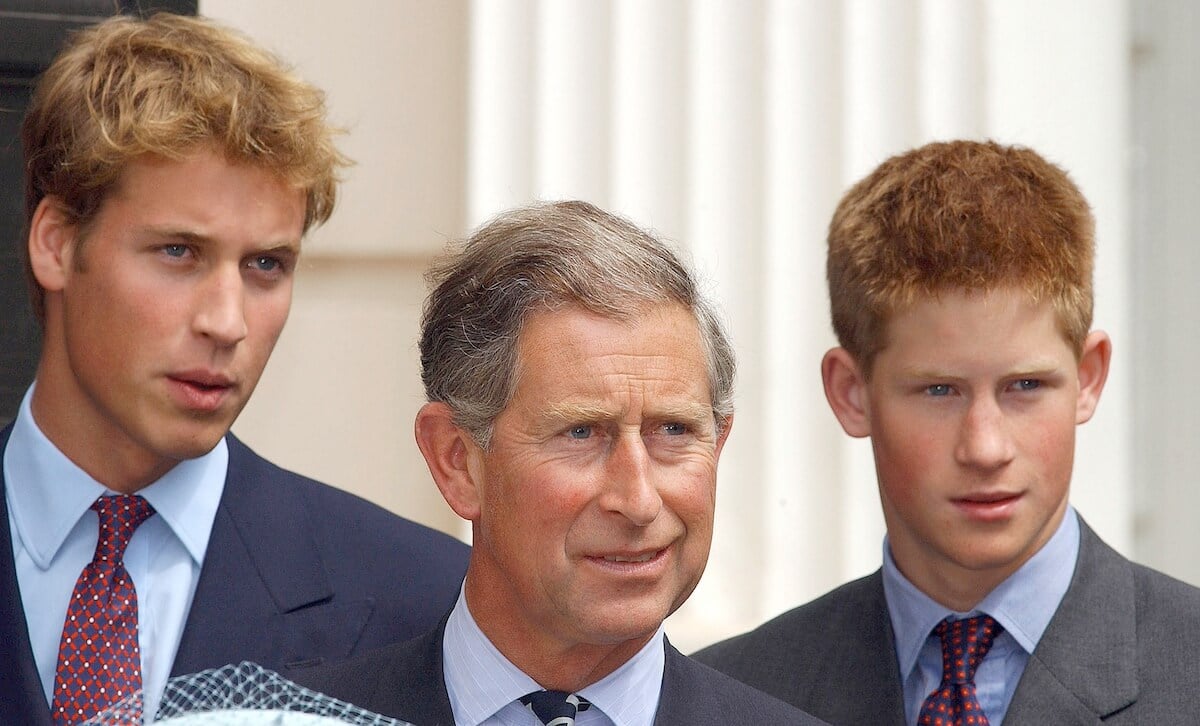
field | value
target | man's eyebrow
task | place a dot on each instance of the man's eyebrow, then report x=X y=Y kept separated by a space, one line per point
x=568 y=412
x=1033 y=368
x=174 y=232
x=687 y=412
x=563 y=413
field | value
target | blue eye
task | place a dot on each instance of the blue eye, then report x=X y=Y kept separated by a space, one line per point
x=675 y=429
x=266 y=263
x=579 y=432
x=175 y=250
x=938 y=389
x=1027 y=384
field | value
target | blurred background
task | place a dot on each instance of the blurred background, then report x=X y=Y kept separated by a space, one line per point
x=732 y=127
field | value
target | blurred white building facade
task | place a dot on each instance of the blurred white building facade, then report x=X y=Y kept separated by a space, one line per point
x=732 y=127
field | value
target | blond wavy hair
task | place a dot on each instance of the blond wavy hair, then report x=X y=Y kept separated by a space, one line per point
x=163 y=86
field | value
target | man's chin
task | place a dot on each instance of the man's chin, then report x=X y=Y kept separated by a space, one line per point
x=625 y=623
x=194 y=444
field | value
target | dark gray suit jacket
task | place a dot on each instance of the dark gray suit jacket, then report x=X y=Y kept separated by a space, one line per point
x=296 y=573
x=1123 y=648
x=405 y=682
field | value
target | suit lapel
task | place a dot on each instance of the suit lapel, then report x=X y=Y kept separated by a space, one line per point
x=858 y=678
x=261 y=577
x=403 y=681
x=1085 y=666
x=413 y=686
x=21 y=697
x=677 y=702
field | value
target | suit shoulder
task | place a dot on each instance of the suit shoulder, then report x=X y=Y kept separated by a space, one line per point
x=798 y=627
x=344 y=514
x=716 y=696
x=403 y=680
x=1163 y=599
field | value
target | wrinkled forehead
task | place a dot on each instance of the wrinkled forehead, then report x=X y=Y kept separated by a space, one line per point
x=572 y=347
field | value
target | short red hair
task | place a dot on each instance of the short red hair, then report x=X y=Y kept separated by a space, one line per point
x=958 y=215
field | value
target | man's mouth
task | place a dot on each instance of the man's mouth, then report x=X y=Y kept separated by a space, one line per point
x=646 y=557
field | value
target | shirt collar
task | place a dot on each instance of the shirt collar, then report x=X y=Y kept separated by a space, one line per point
x=630 y=694
x=1023 y=604
x=480 y=680
x=48 y=494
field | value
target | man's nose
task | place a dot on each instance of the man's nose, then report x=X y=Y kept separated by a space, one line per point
x=984 y=439
x=221 y=313
x=630 y=489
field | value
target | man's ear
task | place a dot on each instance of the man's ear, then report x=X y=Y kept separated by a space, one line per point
x=453 y=458
x=1093 y=372
x=726 y=425
x=845 y=389
x=51 y=244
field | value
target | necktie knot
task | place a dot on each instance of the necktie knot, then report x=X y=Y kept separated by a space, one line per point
x=555 y=708
x=119 y=517
x=964 y=645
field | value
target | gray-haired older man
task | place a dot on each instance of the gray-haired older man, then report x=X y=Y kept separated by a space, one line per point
x=580 y=392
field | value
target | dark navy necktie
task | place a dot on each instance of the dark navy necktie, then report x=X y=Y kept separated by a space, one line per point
x=555 y=708
x=964 y=644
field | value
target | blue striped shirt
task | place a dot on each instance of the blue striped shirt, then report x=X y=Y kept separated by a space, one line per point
x=484 y=686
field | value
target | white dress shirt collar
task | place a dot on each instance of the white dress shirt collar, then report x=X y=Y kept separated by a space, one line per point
x=1023 y=604
x=483 y=685
x=48 y=493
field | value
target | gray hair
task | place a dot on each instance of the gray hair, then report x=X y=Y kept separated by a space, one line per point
x=543 y=257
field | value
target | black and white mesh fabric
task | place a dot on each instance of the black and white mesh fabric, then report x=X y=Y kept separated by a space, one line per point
x=245 y=694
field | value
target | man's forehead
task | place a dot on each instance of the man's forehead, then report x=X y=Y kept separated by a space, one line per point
x=573 y=329
x=572 y=354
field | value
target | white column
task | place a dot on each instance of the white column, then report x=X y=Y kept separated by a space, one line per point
x=950 y=62
x=649 y=112
x=574 y=100
x=879 y=80
x=801 y=499
x=1165 y=299
x=501 y=90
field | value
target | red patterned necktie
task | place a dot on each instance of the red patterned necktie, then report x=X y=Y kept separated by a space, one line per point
x=99 y=661
x=964 y=644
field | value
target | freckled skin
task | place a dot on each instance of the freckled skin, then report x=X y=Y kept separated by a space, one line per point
x=971 y=409
x=186 y=273
x=608 y=448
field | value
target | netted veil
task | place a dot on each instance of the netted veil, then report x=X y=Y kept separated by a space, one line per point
x=245 y=694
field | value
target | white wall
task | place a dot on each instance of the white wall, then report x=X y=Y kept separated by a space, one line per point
x=731 y=126
x=1166 y=257
x=338 y=399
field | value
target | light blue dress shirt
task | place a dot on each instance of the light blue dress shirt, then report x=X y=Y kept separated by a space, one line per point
x=54 y=536
x=1023 y=604
x=484 y=686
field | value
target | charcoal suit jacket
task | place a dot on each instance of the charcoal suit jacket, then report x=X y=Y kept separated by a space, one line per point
x=1122 y=648
x=405 y=682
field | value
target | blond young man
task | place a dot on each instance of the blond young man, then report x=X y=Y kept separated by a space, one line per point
x=960 y=279
x=172 y=170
